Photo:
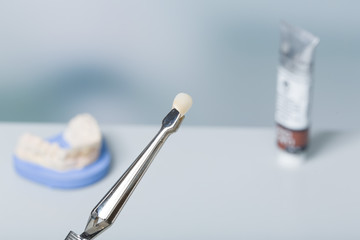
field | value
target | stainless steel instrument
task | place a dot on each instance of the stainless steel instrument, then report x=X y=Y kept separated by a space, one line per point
x=106 y=211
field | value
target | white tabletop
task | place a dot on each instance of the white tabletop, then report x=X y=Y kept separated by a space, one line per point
x=205 y=183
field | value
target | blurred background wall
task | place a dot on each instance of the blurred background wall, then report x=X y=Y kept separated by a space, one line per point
x=124 y=61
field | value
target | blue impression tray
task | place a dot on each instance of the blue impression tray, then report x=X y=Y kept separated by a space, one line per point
x=68 y=179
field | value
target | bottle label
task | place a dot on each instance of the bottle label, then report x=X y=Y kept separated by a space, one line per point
x=292 y=141
x=292 y=103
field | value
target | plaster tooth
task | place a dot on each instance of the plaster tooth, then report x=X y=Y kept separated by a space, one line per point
x=83 y=130
x=49 y=153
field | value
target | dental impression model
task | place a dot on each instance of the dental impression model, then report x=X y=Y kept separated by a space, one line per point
x=75 y=152
x=83 y=136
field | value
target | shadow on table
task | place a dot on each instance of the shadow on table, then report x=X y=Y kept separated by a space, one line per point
x=322 y=141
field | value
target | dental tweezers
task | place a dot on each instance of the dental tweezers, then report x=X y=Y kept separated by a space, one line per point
x=106 y=211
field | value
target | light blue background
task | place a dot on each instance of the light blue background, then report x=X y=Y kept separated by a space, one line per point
x=124 y=61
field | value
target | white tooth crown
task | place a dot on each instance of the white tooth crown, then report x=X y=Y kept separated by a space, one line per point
x=83 y=136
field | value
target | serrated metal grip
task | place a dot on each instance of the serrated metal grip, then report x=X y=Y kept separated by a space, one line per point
x=73 y=236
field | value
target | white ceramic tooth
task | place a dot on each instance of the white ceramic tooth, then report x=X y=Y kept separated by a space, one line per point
x=182 y=103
